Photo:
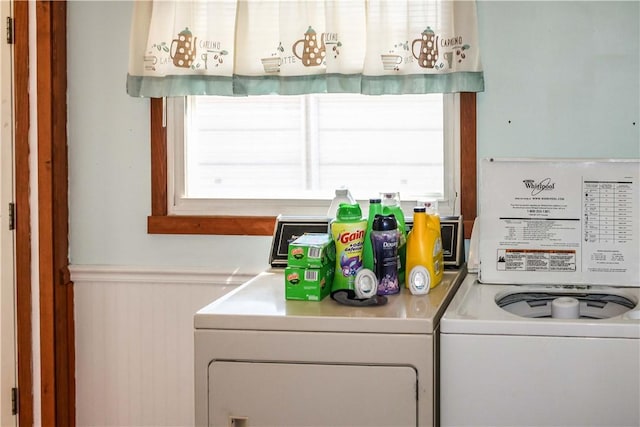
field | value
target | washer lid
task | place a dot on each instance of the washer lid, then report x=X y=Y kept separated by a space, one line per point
x=559 y=221
x=567 y=304
x=474 y=311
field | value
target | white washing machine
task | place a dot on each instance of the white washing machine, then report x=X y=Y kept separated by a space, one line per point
x=548 y=332
x=262 y=360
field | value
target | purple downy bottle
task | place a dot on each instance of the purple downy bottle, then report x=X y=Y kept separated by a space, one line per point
x=384 y=239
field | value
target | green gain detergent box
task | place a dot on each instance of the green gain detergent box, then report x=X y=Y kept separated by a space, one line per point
x=308 y=284
x=312 y=250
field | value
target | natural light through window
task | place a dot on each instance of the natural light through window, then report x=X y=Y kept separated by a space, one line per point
x=266 y=155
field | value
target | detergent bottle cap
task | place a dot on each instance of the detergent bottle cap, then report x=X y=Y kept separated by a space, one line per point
x=390 y=198
x=348 y=212
x=384 y=222
x=431 y=206
x=342 y=195
x=419 y=280
x=342 y=192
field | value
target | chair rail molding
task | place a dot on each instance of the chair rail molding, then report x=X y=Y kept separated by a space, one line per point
x=138 y=274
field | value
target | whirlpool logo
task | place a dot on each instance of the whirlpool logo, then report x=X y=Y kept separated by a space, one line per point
x=538 y=187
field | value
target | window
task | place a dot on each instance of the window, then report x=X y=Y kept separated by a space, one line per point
x=187 y=217
x=268 y=155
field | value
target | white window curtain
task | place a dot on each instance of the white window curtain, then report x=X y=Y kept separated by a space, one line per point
x=291 y=47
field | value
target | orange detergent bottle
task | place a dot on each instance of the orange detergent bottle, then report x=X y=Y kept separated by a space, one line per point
x=425 y=259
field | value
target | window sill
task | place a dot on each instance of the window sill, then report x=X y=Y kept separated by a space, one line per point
x=227 y=225
x=222 y=225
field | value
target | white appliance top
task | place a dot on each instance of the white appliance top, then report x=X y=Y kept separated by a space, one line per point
x=559 y=221
x=260 y=304
x=473 y=310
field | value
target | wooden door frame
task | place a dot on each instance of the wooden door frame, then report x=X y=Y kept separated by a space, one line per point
x=23 y=212
x=57 y=341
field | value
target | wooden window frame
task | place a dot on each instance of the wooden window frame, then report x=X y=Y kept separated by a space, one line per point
x=160 y=222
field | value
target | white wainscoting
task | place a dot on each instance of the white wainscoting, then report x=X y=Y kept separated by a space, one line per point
x=134 y=342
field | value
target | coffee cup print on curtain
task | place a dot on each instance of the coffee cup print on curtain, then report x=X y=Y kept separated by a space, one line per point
x=391 y=62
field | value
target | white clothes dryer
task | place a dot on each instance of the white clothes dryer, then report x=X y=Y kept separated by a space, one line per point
x=263 y=360
x=548 y=332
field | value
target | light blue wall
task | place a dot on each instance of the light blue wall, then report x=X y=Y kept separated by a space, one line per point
x=562 y=79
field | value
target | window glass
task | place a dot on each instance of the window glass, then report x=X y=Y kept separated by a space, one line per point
x=267 y=155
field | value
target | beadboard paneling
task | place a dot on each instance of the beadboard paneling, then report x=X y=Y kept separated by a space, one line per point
x=134 y=343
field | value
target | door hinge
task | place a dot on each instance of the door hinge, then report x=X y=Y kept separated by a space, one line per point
x=14 y=401
x=12 y=216
x=9 y=30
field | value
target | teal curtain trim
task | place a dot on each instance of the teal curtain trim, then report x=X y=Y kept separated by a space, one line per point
x=297 y=85
x=176 y=85
x=423 y=83
x=158 y=87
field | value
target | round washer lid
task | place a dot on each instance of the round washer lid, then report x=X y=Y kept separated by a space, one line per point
x=590 y=305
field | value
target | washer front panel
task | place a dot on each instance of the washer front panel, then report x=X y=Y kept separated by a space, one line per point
x=491 y=380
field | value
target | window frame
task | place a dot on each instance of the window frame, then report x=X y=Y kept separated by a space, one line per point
x=160 y=222
x=180 y=204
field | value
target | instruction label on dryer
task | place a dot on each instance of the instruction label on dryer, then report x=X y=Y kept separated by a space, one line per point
x=559 y=221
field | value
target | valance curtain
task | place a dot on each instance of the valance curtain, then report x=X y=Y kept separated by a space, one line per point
x=289 y=47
